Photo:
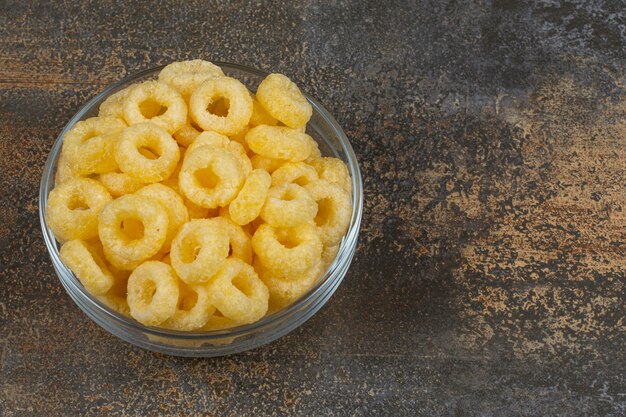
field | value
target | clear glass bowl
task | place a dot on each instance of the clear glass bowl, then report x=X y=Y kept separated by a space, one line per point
x=332 y=141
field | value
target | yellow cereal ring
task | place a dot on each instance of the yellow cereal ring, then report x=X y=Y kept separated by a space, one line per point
x=283 y=100
x=260 y=116
x=119 y=183
x=294 y=172
x=238 y=293
x=158 y=142
x=65 y=172
x=172 y=113
x=186 y=134
x=173 y=204
x=315 y=150
x=115 y=298
x=132 y=229
x=113 y=106
x=334 y=210
x=333 y=170
x=210 y=176
x=186 y=76
x=284 y=290
x=279 y=143
x=221 y=141
x=219 y=322
x=73 y=209
x=239 y=110
x=89 y=145
x=88 y=266
x=198 y=250
x=267 y=164
x=290 y=251
x=288 y=205
x=152 y=293
x=193 y=310
x=239 y=240
x=329 y=253
x=249 y=202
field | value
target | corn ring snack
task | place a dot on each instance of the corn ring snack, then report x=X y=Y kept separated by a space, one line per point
x=120 y=183
x=288 y=205
x=173 y=204
x=279 y=143
x=334 y=210
x=283 y=100
x=131 y=153
x=65 y=171
x=186 y=134
x=249 y=202
x=239 y=110
x=285 y=289
x=88 y=266
x=193 y=309
x=266 y=164
x=333 y=170
x=114 y=105
x=238 y=293
x=186 y=76
x=89 y=146
x=73 y=209
x=221 y=141
x=294 y=172
x=168 y=99
x=238 y=239
x=288 y=251
x=260 y=116
x=132 y=229
x=115 y=298
x=152 y=293
x=315 y=149
x=219 y=322
x=210 y=176
x=198 y=250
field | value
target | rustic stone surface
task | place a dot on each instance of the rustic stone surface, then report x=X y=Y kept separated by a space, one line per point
x=490 y=275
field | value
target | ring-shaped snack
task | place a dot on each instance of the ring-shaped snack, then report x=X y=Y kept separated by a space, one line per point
x=250 y=200
x=334 y=210
x=239 y=108
x=288 y=205
x=186 y=76
x=283 y=100
x=194 y=308
x=147 y=153
x=173 y=204
x=198 y=250
x=285 y=289
x=238 y=293
x=221 y=141
x=294 y=172
x=288 y=251
x=140 y=102
x=89 y=146
x=132 y=229
x=210 y=176
x=73 y=208
x=333 y=170
x=239 y=241
x=152 y=293
x=267 y=164
x=120 y=183
x=260 y=116
x=88 y=266
x=279 y=143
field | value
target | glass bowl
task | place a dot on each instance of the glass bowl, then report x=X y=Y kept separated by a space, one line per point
x=332 y=142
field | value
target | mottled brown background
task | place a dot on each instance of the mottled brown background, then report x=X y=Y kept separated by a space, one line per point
x=490 y=275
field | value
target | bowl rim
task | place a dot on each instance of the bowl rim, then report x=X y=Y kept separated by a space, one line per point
x=345 y=252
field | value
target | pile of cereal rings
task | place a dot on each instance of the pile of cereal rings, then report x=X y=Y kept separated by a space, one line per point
x=189 y=203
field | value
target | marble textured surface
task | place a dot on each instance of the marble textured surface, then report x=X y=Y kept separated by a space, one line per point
x=489 y=279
